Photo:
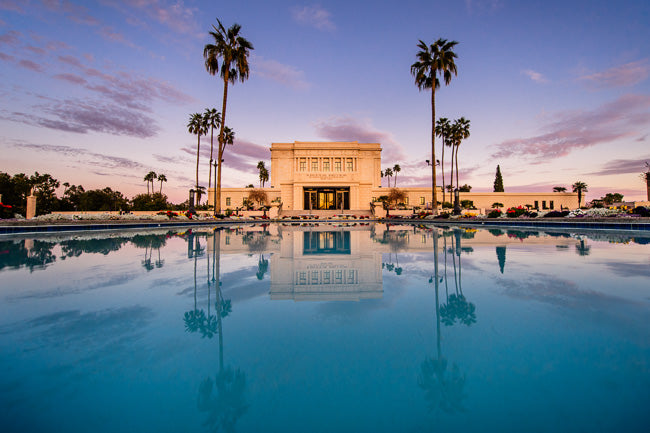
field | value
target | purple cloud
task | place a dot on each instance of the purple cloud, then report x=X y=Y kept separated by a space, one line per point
x=76 y=13
x=6 y=57
x=36 y=50
x=12 y=5
x=621 y=118
x=242 y=156
x=345 y=128
x=71 y=78
x=89 y=157
x=84 y=117
x=10 y=38
x=28 y=64
x=623 y=166
x=628 y=74
x=176 y=15
x=313 y=16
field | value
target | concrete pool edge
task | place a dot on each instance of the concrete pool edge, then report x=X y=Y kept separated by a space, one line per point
x=639 y=225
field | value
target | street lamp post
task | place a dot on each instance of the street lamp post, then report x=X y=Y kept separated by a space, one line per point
x=456 y=202
x=190 y=208
x=437 y=165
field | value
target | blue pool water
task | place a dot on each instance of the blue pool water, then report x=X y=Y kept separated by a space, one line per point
x=325 y=328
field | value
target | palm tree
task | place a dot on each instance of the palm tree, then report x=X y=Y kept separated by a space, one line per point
x=559 y=189
x=233 y=50
x=161 y=178
x=262 y=169
x=150 y=178
x=388 y=173
x=439 y=57
x=646 y=176
x=579 y=187
x=213 y=119
x=461 y=133
x=198 y=126
x=396 y=169
x=200 y=191
x=442 y=131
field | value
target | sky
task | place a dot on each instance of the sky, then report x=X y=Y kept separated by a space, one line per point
x=99 y=93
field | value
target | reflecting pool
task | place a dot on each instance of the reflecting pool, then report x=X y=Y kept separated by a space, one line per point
x=325 y=328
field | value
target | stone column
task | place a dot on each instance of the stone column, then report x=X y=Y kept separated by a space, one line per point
x=31 y=206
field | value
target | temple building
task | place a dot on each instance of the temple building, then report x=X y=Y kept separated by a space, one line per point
x=346 y=176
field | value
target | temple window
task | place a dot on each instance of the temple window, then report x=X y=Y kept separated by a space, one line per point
x=326 y=165
x=314 y=164
x=337 y=165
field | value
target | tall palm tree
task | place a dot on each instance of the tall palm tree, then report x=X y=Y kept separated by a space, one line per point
x=461 y=133
x=442 y=131
x=213 y=120
x=198 y=126
x=439 y=57
x=388 y=173
x=150 y=178
x=233 y=50
x=396 y=169
x=262 y=169
x=161 y=178
x=580 y=187
x=646 y=176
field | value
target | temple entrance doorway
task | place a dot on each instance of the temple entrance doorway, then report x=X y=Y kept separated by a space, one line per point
x=333 y=198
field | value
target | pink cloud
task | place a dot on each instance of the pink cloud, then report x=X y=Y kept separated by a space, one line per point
x=6 y=57
x=12 y=5
x=624 y=117
x=535 y=76
x=628 y=74
x=345 y=128
x=76 y=13
x=623 y=166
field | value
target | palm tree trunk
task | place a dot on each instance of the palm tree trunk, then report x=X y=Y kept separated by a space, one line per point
x=211 y=147
x=442 y=167
x=161 y=187
x=198 y=146
x=647 y=184
x=434 y=195
x=221 y=139
x=457 y=148
x=451 y=175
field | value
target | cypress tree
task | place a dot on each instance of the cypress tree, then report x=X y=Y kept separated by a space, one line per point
x=498 y=181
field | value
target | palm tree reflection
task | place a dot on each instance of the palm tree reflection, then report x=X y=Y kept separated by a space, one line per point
x=224 y=397
x=457 y=307
x=443 y=388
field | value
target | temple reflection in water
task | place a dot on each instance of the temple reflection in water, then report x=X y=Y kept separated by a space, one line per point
x=322 y=264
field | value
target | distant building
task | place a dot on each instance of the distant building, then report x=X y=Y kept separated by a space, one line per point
x=313 y=176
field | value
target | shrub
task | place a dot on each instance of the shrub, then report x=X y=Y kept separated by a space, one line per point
x=640 y=210
x=556 y=214
x=466 y=204
x=496 y=204
x=515 y=212
x=496 y=213
x=443 y=216
x=447 y=205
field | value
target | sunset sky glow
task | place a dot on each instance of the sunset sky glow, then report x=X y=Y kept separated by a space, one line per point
x=99 y=93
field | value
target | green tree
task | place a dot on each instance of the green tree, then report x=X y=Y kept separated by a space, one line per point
x=580 y=187
x=442 y=130
x=559 y=189
x=161 y=178
x=465 y=188
x=198 y=126
x=498 y=180
x=439 y=57
x=611 y=198
x=396 y=169
x=44 y=186
x=233 y=50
